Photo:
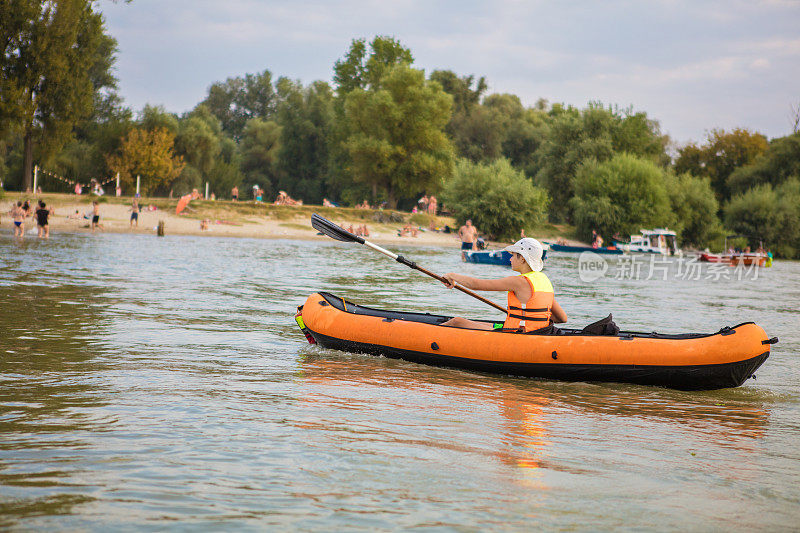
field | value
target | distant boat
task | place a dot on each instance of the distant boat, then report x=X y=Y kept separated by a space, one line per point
x=757 y=259
x=707 y=257
x=656 y=241
x=610 y=250
x=487 y=257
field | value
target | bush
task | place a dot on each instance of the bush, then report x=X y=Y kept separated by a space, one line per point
x=768 y=215
x=499 y=199
x=621 y=195
x=695 y=206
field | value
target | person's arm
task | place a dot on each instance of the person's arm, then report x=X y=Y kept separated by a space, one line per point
x=559 y=315
x=510 y=283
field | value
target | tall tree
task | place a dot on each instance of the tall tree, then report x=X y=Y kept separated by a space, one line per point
x=620 y=195
x=54 y=54
x=198 y=140
x=397 y=143
x=595 y=133
x=768 y=215
x=237 y=100
x=362 y=70
x=465 y=98
x=304 y=115
x=779 y=162
x=260 y=146
x=722 y=153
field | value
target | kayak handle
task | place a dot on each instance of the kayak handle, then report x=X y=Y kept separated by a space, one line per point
x=773 y=340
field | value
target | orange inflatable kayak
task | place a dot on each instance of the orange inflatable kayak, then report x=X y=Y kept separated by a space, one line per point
x=691 y=361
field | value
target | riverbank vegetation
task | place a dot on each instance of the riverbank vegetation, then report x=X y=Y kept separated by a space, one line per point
x=386 y=132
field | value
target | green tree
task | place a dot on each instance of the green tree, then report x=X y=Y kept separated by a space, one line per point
x=770 y=215
x=722 y=154
x=198 y=140
x=237 y=100
x=260 y=146
x=479 y=134
x=498 y=198
x=54 y=53
x=227 y=169
x=620 y=195
x=594 y=134
x=305 y=116
x=569 y=144
x=779 y=162
x=156 y=117
x=635 y=133
x=524 y=136
x=465 y=98
x=396 y=141
x=695 y=207
x=150 y=154
x=362 y=70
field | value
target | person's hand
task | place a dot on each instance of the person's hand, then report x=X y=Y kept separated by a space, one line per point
x=450 y=281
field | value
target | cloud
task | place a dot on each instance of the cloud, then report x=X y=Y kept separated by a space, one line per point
x=692 y=65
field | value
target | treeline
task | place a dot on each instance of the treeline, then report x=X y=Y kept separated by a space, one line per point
x=386 y=132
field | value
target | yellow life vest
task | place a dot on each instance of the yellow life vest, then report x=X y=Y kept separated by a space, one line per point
x=536 y=312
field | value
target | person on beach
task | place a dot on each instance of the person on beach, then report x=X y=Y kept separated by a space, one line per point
x=235 y=194
x=96 y=216
x=432 y=205
x=597 y=240
x=18 y=216
x=135 y=212
x=531 y=302
x=42 y=220
x=469 y=236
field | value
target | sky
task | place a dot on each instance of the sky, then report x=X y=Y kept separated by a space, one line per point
x=693 y=66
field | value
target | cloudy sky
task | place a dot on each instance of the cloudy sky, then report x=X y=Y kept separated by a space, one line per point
x=693 y=65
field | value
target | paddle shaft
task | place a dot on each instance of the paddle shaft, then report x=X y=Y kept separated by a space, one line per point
x=412 y=264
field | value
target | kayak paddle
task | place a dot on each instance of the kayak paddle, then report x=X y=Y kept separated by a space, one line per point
x=340 y=234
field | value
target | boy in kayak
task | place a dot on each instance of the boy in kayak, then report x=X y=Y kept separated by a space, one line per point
x=531 y=303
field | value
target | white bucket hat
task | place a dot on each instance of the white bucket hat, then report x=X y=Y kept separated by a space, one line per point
x=531 y=250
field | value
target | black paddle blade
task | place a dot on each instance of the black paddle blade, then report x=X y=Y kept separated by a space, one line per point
x=332 y=230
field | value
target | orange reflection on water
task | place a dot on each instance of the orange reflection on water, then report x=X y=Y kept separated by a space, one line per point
x=517 y=414
x=521 y=429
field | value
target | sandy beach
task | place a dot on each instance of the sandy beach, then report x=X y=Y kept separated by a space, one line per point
x=225 y=219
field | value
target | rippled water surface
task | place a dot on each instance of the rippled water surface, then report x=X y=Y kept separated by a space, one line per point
x=155 y=383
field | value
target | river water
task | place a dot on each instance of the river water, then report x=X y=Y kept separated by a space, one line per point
x=152 y=383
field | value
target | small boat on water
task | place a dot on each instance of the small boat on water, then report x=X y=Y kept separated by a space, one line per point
x=708 y=257
x=487 y=257
x=744 y=259
x=609 y=250
x=691 y=361
x=656 y=241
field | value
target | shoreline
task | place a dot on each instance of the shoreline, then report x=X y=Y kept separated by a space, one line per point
x=226 y=219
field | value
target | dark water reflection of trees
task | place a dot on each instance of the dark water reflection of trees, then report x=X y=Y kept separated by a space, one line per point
x=50 y=371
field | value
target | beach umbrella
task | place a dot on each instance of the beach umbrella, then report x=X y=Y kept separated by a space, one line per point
x=182 y=203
